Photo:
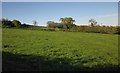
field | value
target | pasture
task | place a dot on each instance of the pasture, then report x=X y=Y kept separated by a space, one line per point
x=36 y=50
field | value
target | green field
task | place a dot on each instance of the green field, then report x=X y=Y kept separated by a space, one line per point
x=38 y=50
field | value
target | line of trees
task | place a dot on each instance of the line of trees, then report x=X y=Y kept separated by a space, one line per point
x=67 y=24
x=5 y=23
x=9 y=23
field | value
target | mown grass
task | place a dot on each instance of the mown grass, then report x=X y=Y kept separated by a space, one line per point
x=56 y=51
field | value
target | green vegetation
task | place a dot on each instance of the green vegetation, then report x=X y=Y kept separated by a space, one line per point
x=92 y=22
x=36 y=50
x=16 y=23
x=66 y=24
x=61 y=46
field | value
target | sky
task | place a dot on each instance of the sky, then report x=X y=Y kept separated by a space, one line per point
x=105 y=13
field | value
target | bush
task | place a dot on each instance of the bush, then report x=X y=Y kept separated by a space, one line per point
x=97 y=29
x=118 y=29
x=7 y=23
x=16 y=23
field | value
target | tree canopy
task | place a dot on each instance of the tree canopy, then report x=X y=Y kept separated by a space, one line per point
x=16 y=23
x=92 y=22
x=7 y=23
x=67 y=22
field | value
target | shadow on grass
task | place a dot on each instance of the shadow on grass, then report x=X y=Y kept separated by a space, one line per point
x=21 y=62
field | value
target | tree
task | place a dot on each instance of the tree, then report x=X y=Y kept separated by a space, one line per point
x=35 y=23
x=0 y=22
x=6 y=23
x=51 y=24
x=16 y=23
x=59 y=25
x=92 y=22
x=67 y=22
x=118 y=29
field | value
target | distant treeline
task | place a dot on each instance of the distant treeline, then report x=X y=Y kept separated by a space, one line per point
x=14 y=23
x=66 y=24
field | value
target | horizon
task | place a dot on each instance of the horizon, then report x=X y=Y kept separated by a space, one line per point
x=103 y=12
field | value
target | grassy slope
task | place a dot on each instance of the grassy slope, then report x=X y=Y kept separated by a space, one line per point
x=60 y=49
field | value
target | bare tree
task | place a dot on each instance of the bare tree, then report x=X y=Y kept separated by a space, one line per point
x=92 y=22
x=35 y=23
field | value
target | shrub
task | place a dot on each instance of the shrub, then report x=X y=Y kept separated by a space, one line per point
x=7 y=23
x=118 y=29
x=97 y=29
x=16 y=23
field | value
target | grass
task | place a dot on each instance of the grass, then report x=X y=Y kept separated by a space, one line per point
x=58 y=51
